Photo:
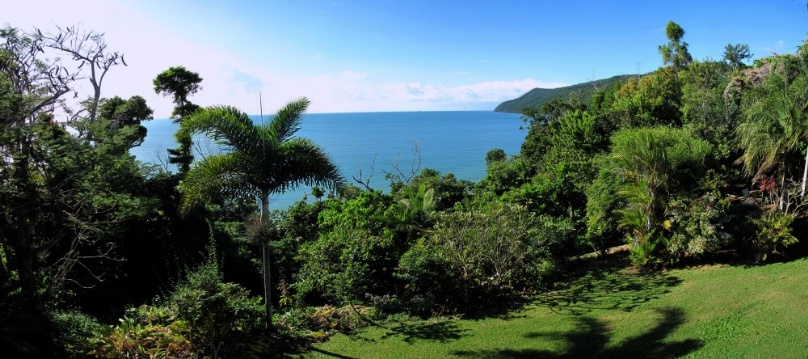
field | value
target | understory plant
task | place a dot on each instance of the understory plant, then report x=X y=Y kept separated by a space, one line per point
x=698 y=226
x=204 y=316
x=772 y=233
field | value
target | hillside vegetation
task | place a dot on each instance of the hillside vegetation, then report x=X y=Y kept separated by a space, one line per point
x=538 y=96
x=104 y=256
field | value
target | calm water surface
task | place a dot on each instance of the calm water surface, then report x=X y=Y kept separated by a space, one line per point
x=450 y=142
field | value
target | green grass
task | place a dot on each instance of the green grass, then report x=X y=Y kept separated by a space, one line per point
x=714 y=311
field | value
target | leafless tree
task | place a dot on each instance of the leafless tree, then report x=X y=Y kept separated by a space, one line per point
x=406 y=175
x=365 y=182
x=89 y=49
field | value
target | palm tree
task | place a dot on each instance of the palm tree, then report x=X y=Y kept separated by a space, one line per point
x=651 y=160
x=259 y=160
x=640 y=156
x=776 y=126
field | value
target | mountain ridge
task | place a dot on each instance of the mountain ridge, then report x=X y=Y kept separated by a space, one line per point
x=537 y=96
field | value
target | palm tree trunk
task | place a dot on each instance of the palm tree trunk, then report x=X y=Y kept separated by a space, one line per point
x=783 y=191
x=804 y=175
x=265 y=258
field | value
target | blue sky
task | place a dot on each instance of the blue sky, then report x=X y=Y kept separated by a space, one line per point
x=355 y=56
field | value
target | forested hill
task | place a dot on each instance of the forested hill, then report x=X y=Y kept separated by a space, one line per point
x=537 y=96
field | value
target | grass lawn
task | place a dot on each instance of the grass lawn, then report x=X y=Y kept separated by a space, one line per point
x=712 y=311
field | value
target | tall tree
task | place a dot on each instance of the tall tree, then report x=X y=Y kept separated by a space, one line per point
x=123 y=119
x=260 y=160
x=734 y=55
x=675 y=51
x=61 y=193
x=29 y=86
x=179 y=83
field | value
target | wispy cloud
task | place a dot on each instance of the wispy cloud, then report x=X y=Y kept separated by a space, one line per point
x=330 y=93
x=352 y=76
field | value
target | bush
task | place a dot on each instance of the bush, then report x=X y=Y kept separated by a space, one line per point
x=145 y=332
x=299 y=327
x=221 y=317
x=772 y=233
x=433 y=282
x=74 y=330
x=697 y=226
x=355 y=253
x=476 y=257
x=345 y=265
x=203 y=316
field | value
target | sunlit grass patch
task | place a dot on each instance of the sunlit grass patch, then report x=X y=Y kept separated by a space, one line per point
x=706 y=311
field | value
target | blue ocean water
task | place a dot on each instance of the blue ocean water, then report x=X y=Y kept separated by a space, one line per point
x=450 y=142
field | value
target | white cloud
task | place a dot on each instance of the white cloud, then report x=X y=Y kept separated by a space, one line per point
x=330 y=93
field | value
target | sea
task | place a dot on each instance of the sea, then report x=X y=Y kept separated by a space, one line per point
x=371 y=144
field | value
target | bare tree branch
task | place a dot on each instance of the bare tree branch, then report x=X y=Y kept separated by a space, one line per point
x=365 y=182
x=87 y=48
x=405 y=176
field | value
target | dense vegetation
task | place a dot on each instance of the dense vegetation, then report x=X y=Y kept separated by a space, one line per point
x=105 y=256
x=582 y=92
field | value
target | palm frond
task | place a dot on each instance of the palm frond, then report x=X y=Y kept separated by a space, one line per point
x=305 y=164
x=287 y=122
x=261 y=158
x=776 y=123
x=214 y=177
x=226 y=124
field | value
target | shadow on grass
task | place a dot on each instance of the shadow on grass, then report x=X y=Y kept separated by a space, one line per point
x=591 y=337
x=328 y=353
x=441 y=332
x=611 y=287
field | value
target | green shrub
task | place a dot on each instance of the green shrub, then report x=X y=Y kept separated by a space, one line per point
x=772 y=233
x=433 y=282
x=203 y=316
x=75 y=330
x=146 y=332
x=476 y=257
x=697 y=226
x=602 y=200
x=355 y=253
x=221 y=317
x=315 y=324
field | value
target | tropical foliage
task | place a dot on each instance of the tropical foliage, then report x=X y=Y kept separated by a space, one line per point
x=106 y=256
x=260 y=160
